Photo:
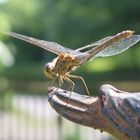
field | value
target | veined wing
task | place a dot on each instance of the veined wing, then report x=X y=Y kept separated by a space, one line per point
x=97 y=43
x=47 y=45
x=119 y=47
x=112 y=46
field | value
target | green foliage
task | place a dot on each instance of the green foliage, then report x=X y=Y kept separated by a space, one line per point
x=6 y=100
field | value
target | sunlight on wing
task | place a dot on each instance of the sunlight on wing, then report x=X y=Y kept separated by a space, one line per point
x=119 y=47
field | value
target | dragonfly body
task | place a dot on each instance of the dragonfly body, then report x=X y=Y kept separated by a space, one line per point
x=69 y=59
x=61 y=66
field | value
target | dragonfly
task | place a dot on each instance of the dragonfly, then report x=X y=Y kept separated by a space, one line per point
x=68 y=59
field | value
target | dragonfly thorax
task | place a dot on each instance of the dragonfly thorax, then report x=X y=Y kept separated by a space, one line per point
x=61 y=66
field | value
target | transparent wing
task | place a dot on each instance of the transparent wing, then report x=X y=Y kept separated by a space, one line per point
x=97 y=43
x=50 y=46
x=104 y=51
x=119 y=47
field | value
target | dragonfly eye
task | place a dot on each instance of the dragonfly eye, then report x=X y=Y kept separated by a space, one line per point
x=47 y=66
x=48 y=71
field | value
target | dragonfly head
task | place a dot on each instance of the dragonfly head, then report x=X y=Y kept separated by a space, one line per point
x=48 y=70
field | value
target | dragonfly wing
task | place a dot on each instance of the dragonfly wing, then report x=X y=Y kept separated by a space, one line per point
x=113 y=49
x=50 y=46
x=119 y=47
x=99 y=42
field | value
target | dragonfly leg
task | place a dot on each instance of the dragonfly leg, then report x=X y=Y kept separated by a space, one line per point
x=71 y=82
x=59 y=83
x=52 y=82
x=81 y=78
x=71 y=87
